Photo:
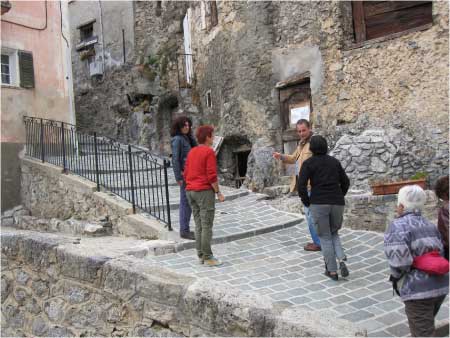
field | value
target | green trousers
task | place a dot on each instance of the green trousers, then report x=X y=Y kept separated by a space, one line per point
x=203 y=205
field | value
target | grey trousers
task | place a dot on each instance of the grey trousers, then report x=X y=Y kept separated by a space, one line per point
x=421 y=313
x=327 y=220
x=203 y=204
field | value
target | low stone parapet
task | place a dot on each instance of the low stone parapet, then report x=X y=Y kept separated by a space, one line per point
x=49 y=193
x=54 y=287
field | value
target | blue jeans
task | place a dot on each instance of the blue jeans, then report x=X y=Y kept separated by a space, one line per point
x=185 y=210
x=310 y=221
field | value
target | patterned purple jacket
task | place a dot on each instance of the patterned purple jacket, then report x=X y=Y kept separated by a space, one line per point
x=408 y=236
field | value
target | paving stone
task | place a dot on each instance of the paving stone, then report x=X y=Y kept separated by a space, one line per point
x=321 y=304
x=390 y=305
x=357 y=316
x=382 y=296
x=298 y=291
x=391 y=318
x=362 y=303
x=371 y=325
x=267 y=282
x=279 y=295
x=341 y=299
x=300 y=300
x=379 y=334
x=399 y=330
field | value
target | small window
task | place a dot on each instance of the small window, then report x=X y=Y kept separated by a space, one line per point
x=6 y=71
x=17 y=68
x=9 y=66
x=158 y=9
x=374 y=19
x=87 y=32
x=208 y=99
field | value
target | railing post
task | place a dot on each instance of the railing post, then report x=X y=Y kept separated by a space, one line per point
x=130 y=165
x=63 y=148
x=166 y=185
x=97 y=174
x=42 y=140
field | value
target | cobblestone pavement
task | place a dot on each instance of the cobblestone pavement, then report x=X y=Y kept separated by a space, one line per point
x=275 y=264
x=242 y=217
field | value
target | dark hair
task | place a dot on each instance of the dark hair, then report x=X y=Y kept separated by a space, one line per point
x=203 y=132
x=441 y=188
x=303 y=121
x=318 y=145
x=178 y=124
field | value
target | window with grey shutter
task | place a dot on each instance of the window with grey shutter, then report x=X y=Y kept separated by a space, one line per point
x=26 y=69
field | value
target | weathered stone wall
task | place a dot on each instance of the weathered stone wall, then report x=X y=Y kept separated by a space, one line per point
x=399 y=81
x=368 y=212
x=134 y=100
x=53 y=287
x=48 y=193
x=364 y=211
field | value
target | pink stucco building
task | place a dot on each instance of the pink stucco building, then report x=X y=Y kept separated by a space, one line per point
x=36 y=78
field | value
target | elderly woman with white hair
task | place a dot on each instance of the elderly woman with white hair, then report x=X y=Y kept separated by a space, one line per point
x=409 y=239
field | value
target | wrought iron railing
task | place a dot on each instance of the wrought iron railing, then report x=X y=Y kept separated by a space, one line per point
x=128 y=171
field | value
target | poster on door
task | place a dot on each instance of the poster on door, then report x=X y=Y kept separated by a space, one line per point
x=300 y=110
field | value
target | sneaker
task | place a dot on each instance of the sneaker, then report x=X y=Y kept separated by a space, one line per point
x=312 y=247
x=188 y=235
x=344 y=270
x=333 y=276
x=212 y=262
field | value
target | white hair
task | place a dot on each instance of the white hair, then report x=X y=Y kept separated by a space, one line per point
x=412 y=197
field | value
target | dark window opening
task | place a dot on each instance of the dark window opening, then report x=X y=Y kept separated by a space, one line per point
x=158 y=9
x=241 y=167
x=214 y=16
x=374 y=19
x=87 y=32
x=208 y=99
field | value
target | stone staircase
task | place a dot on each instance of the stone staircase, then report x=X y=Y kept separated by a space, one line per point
x=242 y=215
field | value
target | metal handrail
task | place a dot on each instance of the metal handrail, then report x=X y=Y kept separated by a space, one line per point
x=128 y=171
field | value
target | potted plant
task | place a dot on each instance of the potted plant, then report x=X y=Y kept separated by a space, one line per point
x=385 y=186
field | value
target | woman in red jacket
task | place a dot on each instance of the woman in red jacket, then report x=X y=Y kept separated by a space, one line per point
x=200 y=175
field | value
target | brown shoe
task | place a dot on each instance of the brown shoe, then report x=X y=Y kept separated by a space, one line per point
x=312 y=247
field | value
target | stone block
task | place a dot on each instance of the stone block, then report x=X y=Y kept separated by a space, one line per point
x=39 y=327
x=300 y=322
x=7 y=221
x=74 y=265
x=141 y=227
x=228 y=312
x=54 y=309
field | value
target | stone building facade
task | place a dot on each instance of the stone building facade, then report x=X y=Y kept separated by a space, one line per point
x=380 y=95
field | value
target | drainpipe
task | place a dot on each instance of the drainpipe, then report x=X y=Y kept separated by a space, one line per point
x=103 y=38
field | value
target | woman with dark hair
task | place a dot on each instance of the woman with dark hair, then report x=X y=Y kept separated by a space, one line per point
x=441 y=189
x=201 y=183
x=329 y=184
x=182 y=142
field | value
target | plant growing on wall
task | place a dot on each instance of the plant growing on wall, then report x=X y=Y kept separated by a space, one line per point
x=85 y=54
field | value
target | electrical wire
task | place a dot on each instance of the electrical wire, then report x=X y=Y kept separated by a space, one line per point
x=62 y=33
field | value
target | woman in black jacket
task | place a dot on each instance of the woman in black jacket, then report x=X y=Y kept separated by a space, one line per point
x=329 y=184
x=182 y=142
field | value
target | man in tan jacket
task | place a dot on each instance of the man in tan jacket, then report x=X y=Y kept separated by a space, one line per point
x=301 y=154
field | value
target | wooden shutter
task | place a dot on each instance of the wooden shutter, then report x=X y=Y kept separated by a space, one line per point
x=26 y=69
x=374 y=19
